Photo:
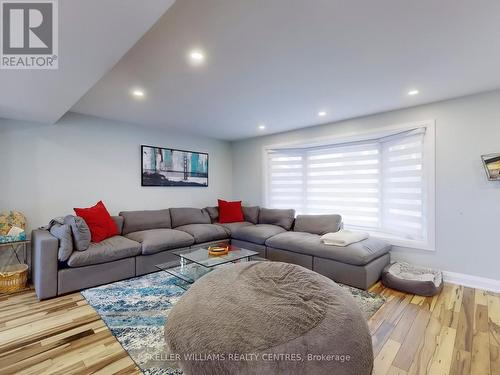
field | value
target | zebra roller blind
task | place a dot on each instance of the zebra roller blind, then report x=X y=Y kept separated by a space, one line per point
x=376 y=185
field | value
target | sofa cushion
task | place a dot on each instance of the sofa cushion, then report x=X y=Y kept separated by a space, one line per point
x=113 y=248
x=232 y=227
x=257 y=234
x=230 y=212
x=205 y=232
x=119 y=223
x=135 y=221
x=187 y=215
x=80 y=231
x=251 y=214
x=283 y=218
x=156 y=240
x=63 y=234
x=99 y=220
x=213 y=212
x=358 y=254
x=317 y=224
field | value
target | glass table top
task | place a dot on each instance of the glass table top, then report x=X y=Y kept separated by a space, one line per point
x=202 y=257
x=194 y=263
x=187 y=272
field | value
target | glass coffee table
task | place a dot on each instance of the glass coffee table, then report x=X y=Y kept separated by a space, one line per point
x=194 y=263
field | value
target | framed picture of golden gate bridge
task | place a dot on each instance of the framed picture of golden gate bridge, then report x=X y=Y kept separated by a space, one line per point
x=171 y=167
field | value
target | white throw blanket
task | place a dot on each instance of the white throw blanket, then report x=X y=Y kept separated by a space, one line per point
x=343 y=237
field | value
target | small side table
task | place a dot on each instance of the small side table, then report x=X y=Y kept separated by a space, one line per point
x=12 y=253
x=18 y=252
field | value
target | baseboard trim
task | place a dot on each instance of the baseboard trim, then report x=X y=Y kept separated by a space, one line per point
x=472 y=281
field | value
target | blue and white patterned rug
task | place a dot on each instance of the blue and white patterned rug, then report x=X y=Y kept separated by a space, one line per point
x=135 y=310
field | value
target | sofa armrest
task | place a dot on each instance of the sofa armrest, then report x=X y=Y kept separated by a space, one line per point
x=44 y=248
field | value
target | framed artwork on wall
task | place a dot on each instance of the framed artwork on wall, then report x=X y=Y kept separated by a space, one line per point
x=171 y=167
x=491 y=164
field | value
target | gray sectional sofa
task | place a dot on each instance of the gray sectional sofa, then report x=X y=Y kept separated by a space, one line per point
x=147 y=238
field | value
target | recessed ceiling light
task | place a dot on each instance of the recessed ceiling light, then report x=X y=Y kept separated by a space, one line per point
x=196 y=57
x=321 y=113
x=262 y=127
x=413 y=92
x=138 y=93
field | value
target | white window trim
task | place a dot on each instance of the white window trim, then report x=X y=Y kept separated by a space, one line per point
x=429 y=162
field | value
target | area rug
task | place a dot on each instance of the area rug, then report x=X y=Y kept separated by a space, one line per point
x=135 y=310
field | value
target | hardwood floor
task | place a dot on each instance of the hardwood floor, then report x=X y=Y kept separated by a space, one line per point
x=457 y=332
x=59 y=336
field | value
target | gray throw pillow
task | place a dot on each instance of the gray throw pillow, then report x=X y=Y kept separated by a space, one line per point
x=251 y=214
x=318 y=224
x=187 y=215
x=63 y=234
x=275 y=216
x=80 y=231
x=213 y=212
x=136 y=221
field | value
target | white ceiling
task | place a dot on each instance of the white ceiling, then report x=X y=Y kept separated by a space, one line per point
x=281 y=61
x=94 y=35
x=278 y=62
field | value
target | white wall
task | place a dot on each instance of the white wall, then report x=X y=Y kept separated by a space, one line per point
x=467 y=205
x=46 y=170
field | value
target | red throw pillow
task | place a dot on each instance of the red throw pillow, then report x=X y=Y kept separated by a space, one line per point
x=230 y=212
x=99 y=220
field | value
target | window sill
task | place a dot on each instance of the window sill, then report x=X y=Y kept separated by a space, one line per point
x=401 y=242
x=426 y=245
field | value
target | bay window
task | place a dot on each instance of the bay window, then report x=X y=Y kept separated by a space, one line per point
x=381 y=184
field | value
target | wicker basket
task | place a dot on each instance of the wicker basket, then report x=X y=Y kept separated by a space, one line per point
x=13 y=278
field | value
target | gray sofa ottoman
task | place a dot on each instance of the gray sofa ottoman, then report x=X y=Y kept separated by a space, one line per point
x=357 y=254
x=359 y=264
x=281 y=313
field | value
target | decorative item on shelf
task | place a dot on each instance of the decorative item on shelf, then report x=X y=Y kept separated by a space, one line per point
x=13 y=278
x=218 y=250
x=12 y=227
x=491 y=164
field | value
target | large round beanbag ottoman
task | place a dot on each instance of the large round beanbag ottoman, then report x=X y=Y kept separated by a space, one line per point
x=412 y=279
x=268 y=318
